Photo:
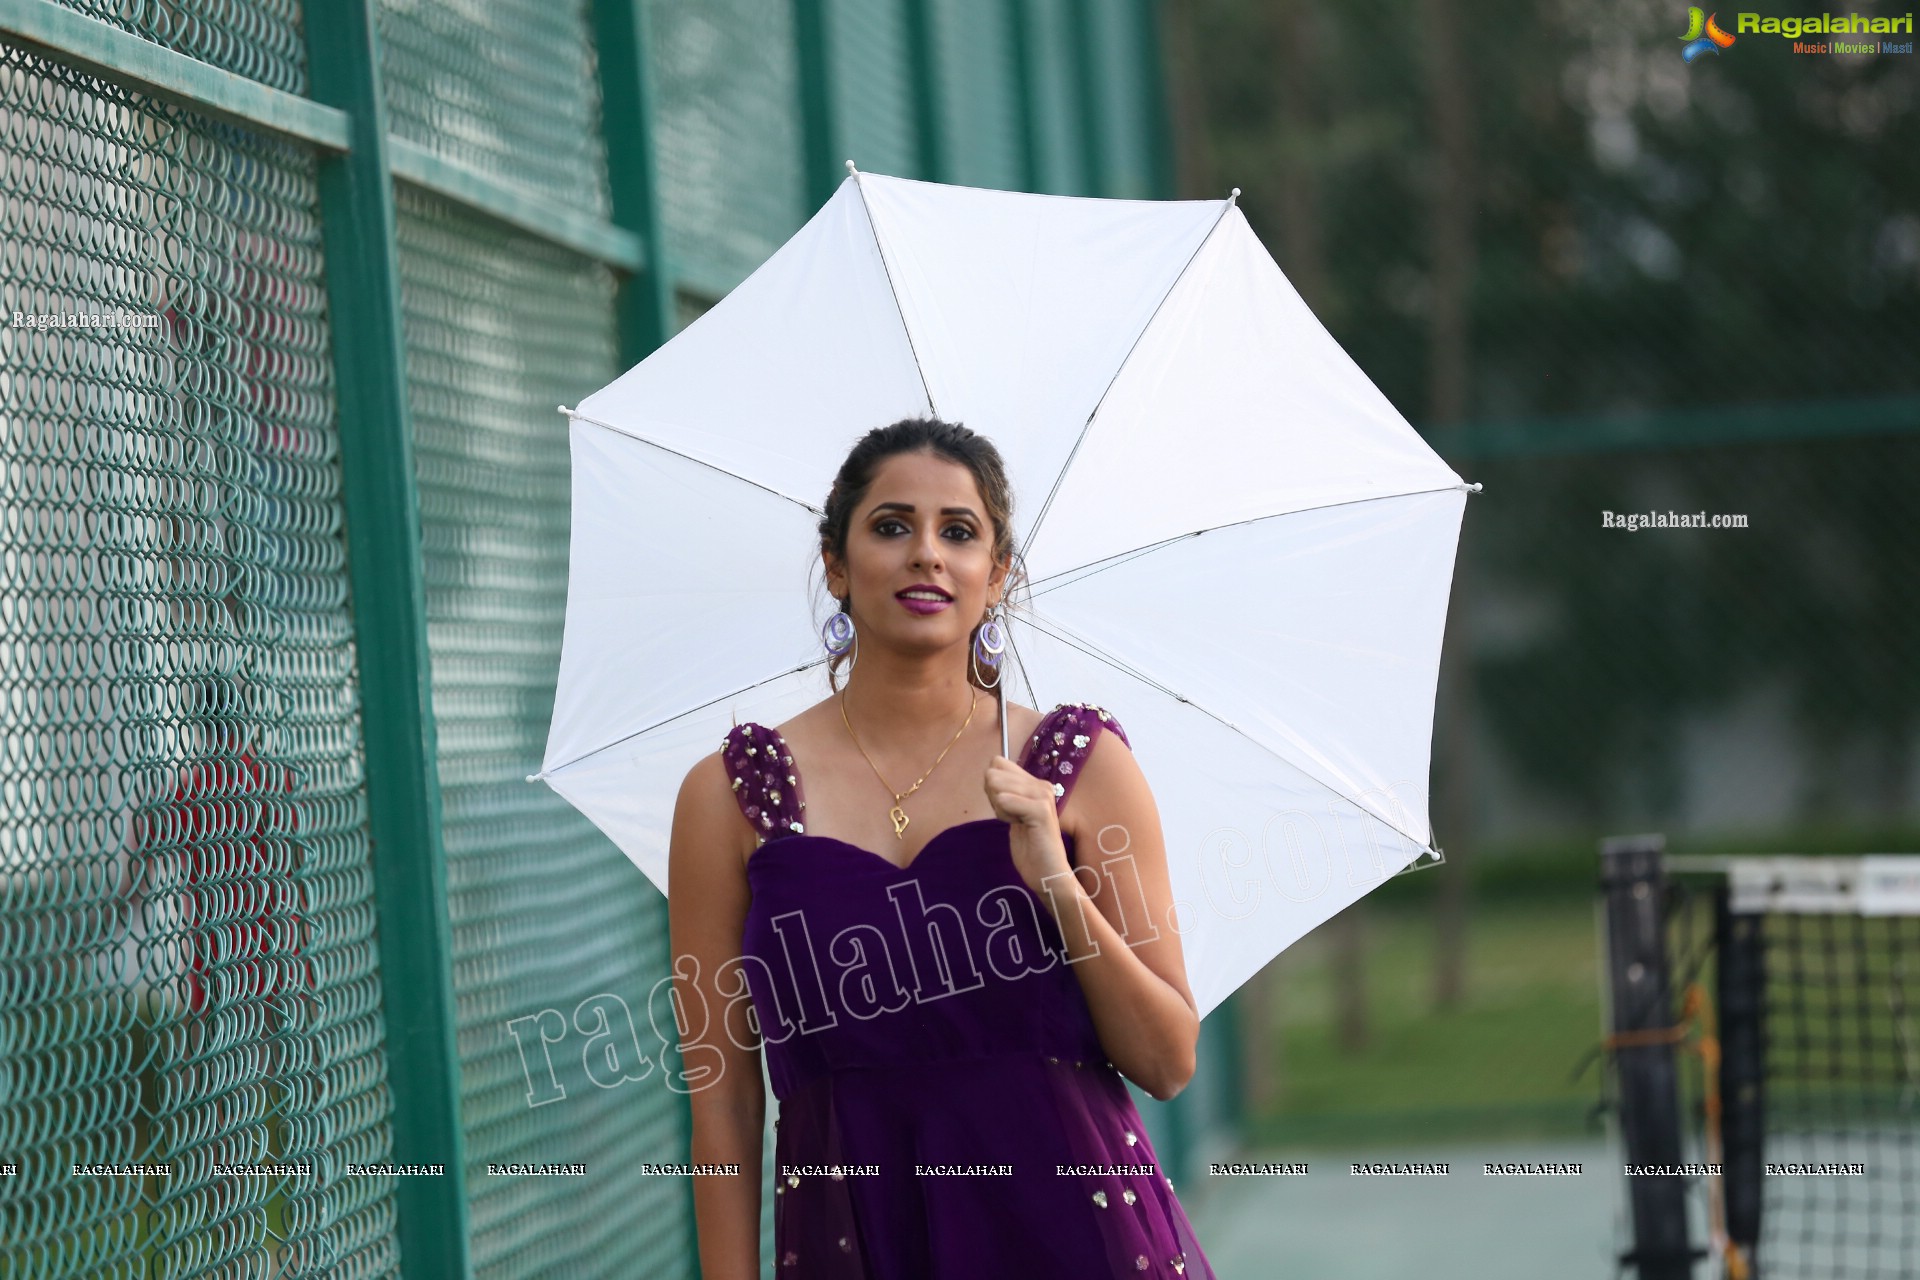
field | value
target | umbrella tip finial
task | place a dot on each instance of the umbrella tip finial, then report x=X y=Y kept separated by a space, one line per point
x=851 y=170
x=1234 y=198
x=1474 y=487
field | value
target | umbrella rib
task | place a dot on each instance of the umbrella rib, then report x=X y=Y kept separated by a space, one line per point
x=879 y=247
x=1087 y=426
x=1119 y=558
x=1099 y=655
x=621 y=431
x=678 y=715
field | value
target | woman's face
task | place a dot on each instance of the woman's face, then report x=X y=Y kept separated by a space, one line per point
x=921 y=524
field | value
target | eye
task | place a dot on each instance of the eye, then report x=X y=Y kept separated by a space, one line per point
x=890 y=523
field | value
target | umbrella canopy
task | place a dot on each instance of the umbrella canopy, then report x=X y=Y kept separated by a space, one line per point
x=1235 y=544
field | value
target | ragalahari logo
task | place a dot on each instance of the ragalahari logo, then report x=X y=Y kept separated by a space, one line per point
x=1703 y=34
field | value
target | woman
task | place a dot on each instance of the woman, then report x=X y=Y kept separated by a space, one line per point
x=948 y=1005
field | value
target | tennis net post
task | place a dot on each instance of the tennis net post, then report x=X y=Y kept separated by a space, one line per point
x=1640 y=1004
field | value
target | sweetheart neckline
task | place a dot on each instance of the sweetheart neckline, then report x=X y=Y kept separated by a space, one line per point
x=890 y=864
x=1066 y=838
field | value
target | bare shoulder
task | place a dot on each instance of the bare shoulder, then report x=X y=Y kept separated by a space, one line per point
x=1111 y=786
x=706 y=821
x=706 y=784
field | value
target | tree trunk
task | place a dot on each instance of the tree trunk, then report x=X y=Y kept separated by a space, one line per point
x=1350 y=977
x=1451 y=250
x=1301 y=128
x=1261 y=1065
x=1192 y=152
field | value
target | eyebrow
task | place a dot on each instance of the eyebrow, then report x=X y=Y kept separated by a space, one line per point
x=908 y=506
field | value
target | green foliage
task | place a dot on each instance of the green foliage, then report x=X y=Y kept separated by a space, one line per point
x=1648 y=235
x=1646 y=239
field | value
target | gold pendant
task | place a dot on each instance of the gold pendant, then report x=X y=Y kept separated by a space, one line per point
x=899 y=817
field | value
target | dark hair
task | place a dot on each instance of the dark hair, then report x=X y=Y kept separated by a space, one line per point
x=948 y=440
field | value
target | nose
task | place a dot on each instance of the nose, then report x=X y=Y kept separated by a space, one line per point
x=926 y=550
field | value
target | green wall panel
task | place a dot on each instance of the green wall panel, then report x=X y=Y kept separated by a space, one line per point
x=727 y=131
x=873 y=84
x=258 y=39
x=1061 y=149
x=506 y=87
x=546 y=912
x=1125 y=102
x=978 y=93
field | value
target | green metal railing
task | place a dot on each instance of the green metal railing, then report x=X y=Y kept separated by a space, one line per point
x=282 y=579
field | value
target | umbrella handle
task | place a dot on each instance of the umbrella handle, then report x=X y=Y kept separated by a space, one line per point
x=1000 y=691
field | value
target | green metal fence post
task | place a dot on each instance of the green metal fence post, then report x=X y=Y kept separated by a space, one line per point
x=1157 y=84
x=389 y=611
x=1026 y=93
x=626 y=114
x=644 y=300
x=820 y=125
x=1230 y=1110
x=1086 y=76
x=924 y=58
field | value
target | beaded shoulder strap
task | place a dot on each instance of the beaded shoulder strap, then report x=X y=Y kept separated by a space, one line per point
x=1064 y=740
x=765 y=785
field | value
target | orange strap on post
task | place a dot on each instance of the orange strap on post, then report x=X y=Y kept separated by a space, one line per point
x=1697 y=1012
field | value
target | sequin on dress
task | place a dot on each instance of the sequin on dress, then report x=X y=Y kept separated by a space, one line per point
x=945 y=1107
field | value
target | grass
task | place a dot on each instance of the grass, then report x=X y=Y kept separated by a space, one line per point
x=1499 y=1064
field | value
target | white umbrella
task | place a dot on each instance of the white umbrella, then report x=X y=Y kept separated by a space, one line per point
x=1149 y=376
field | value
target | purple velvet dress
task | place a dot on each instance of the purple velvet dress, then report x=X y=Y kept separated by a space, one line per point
x=945 y=1107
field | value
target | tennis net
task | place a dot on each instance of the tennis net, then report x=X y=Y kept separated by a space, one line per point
x=1781 y=1008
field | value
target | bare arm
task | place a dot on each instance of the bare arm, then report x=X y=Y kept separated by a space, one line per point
x=1113 y=914
x=706 y=908
x=1136 y=984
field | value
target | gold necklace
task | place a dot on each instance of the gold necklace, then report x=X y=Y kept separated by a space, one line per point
x=897 y=814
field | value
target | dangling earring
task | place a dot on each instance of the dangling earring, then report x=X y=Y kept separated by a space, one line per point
x=989 y=645
x=839 y=636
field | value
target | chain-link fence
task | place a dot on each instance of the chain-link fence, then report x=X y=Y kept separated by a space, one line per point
x=297 y=975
